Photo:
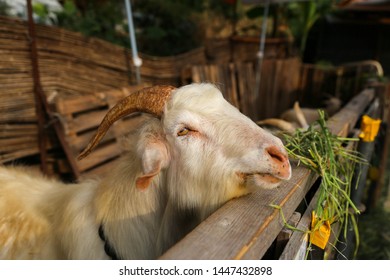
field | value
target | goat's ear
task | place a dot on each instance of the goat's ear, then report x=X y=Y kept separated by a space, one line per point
x=154 y=157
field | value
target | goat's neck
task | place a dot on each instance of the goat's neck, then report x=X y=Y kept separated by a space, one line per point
x=131 y=217
x=134 y=220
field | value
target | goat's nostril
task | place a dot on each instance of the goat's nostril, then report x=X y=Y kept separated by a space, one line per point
x=280 y=165
x=276 y=154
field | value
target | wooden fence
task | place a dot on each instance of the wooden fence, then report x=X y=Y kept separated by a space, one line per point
x=278 y=88
x=80 y=117
x=283 y=81
x=244 y=228
x=69 y=64
x=247 y=227
x=73 y=65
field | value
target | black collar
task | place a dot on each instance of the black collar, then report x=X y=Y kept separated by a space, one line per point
x=110 y=251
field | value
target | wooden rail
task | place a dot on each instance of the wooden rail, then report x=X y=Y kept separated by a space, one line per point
x=246 y=227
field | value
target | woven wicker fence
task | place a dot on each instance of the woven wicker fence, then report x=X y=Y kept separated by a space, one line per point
x=69 y=64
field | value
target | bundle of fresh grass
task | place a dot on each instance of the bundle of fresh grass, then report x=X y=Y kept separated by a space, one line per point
x=329 y=156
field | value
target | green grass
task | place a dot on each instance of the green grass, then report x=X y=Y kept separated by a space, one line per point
x=324 y=153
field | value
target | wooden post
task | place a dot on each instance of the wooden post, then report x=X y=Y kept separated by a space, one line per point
x=44 y=114
x=39 y=95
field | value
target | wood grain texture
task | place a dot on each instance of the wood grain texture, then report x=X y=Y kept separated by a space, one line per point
x=81 y=115
x=70 y=64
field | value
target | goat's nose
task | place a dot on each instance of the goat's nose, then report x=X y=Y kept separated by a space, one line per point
x=280 y=160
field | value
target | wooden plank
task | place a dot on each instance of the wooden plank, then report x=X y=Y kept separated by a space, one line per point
x=85 y=121
x=343 y=122
x=130 y=124
x=226 y=234
x=285 y=234
x=18 y=154
x=82 y=103
x=296 y=247
x=18 y=130
x=102 y=154
x=79 y=142
x=16 y=143
x=224 y=76
x=100 y=170
x=80 y=119
x=244 y=228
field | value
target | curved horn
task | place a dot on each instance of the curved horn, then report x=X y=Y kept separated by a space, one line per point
x=278 y=123
x=300 y=115
x=148 y=100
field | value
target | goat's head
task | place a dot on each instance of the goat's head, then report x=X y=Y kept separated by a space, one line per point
x=203 y=141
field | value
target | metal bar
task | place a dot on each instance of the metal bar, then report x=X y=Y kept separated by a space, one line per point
x=136 y=59
x=260 y=54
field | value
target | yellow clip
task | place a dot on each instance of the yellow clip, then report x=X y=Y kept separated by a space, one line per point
x=319 y=236
x=369 y=128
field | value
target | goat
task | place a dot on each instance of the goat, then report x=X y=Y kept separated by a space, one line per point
x=298 y=117
x=305 y=116
x=195 y=154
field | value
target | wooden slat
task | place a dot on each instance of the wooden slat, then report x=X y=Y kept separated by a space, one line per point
x=100 y=170
x=18 y=130
x=83 y=103
x=70 y=64
x=246 y=84
x=244 y=228
x=224 y=76
x=226 y=234
x=99 y=155
x=342 y=122
x=285 y=234
x=85 y=121
x=296 y=247
x=17 y=143
x=18 y=154
x=81 y=115
x=79 y=142
x=279 y=81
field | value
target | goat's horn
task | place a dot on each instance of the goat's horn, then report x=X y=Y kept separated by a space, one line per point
x=300 y=115
x=278 y=123
x=148 y=100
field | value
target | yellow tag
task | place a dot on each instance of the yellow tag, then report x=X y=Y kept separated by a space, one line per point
x=319 y=237
x=369 y=128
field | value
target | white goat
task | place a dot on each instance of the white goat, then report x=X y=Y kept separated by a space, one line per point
x=197 y=154
x=305 y=116
x=298 y=117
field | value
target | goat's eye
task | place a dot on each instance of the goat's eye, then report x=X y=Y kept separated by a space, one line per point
x=182 y=132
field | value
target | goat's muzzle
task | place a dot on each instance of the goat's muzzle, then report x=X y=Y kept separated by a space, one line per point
x=279 y=159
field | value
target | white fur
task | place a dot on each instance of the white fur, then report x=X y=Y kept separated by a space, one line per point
x=163 y=186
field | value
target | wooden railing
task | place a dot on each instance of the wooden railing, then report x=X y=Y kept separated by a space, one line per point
x=246 y=227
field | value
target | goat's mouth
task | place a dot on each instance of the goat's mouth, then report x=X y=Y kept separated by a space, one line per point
x=266 y=177
x=265 y=180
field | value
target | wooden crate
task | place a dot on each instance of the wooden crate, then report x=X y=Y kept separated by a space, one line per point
x=80 y=117
x=69 y=64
